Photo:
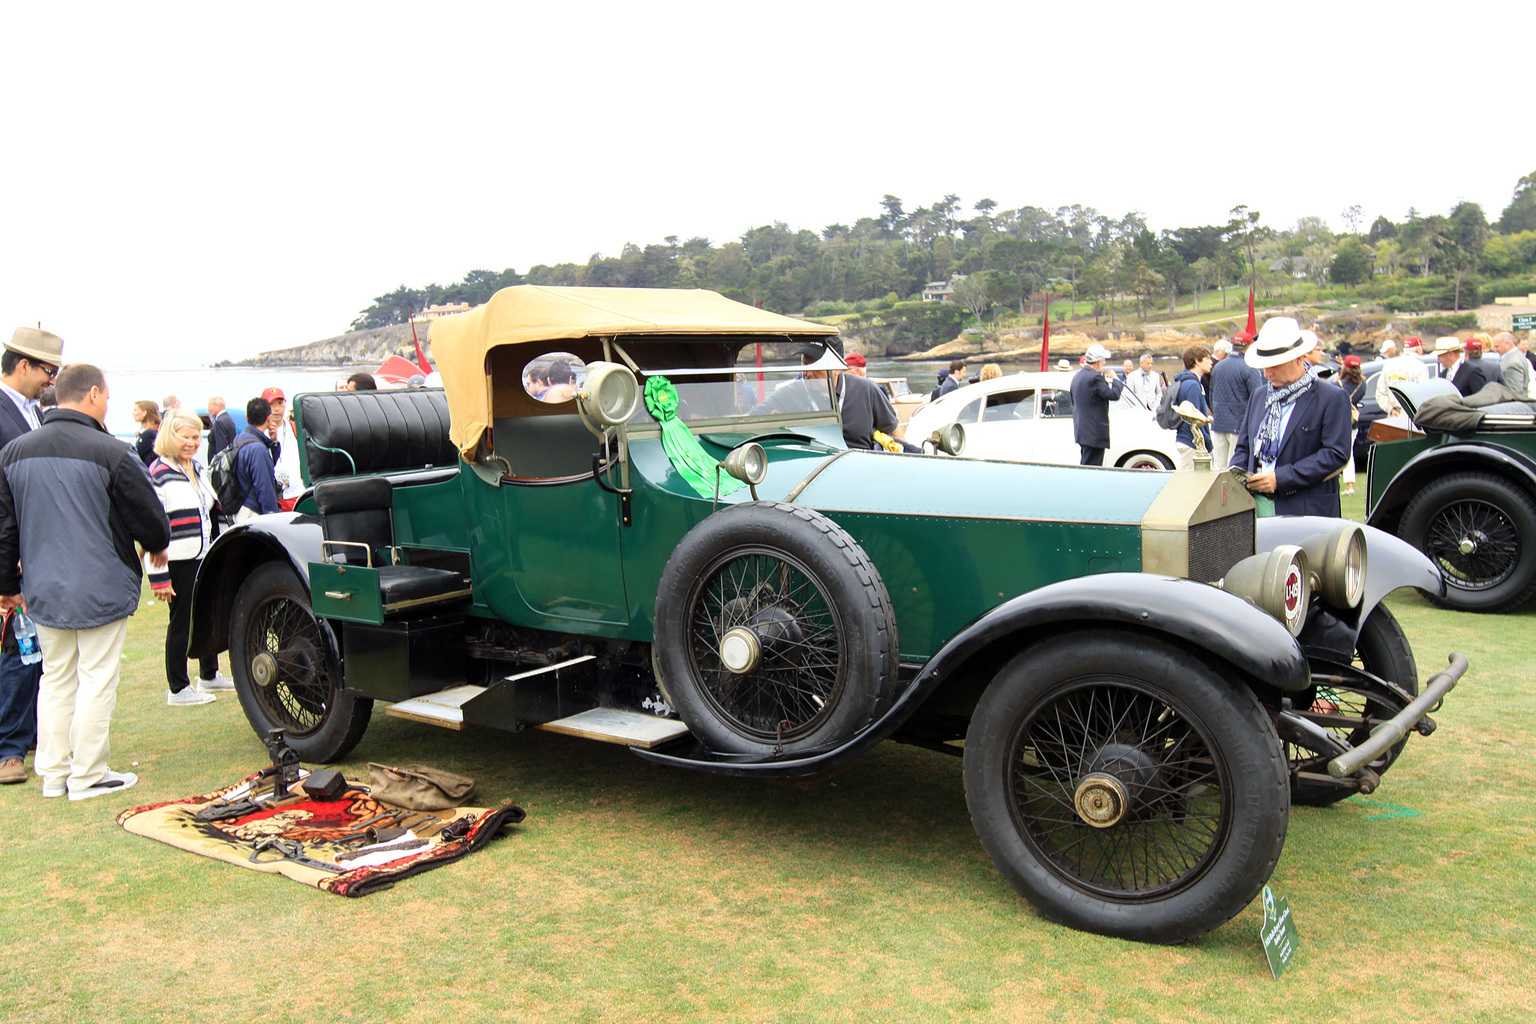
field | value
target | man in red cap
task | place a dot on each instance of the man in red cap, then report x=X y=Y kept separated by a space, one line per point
x=856 y=364
x=1400 y=370
x=290 y=479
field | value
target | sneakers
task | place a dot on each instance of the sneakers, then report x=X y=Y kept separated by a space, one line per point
x=220 y=681
x=52 y=789
x=187 y=697
x=12 y=770
x=112 y=782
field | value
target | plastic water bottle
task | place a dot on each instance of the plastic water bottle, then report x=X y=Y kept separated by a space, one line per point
x=26 y=639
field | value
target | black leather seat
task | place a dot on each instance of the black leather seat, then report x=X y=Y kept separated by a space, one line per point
x=355 y=513
x=348 y=433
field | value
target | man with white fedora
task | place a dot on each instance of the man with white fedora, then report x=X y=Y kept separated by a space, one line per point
x=30 y=361
x=1295 y=439
x=1467 y=374
x=1093 y=388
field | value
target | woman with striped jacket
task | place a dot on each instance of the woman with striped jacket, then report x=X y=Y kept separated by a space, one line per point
x=183 y=488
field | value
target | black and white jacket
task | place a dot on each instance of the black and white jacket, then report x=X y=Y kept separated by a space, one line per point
x=188 y=504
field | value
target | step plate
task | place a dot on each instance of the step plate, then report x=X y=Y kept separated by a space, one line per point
x=444 y=708
x=610 y=726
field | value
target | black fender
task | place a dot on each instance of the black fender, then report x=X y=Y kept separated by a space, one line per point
x=1221 y=626
x=1458 y=456
x=289 y=537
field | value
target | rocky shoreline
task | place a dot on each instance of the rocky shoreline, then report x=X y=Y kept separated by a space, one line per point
x=356 y=348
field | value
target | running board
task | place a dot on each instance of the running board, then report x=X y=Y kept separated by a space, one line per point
x=608 y=725
x=444 y=708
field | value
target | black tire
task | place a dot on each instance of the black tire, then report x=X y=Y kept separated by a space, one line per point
x=809 y=594
x=1145 y=460
x=1350 y=711
x=1203 y=801
x=1491 y=518
x=304 y=697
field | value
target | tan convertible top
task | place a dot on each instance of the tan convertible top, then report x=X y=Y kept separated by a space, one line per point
x=532 y=314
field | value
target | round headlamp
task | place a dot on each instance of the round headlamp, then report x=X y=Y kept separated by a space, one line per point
x=950 y=440
x=1277 y=582
x=1338 y=564
x=747 y=463
x=610 y=393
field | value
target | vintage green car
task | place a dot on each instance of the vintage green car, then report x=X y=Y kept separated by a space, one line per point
x=632 y=516
x=1463 y=491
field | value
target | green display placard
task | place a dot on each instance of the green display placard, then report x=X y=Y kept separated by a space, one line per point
x=1278 y=933
x=1523 y=322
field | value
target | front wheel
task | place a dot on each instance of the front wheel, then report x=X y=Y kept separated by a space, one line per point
x=1480 y=530
x=285 y=674
x=1349 y=702
x=1123 y=788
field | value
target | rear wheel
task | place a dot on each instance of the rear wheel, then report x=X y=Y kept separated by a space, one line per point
x=1480 y=530
x=285 y=674
x=1122 y=787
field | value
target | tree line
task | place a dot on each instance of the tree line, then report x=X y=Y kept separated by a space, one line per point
x=1011 y=259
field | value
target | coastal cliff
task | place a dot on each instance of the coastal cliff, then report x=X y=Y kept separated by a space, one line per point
x=355 y=348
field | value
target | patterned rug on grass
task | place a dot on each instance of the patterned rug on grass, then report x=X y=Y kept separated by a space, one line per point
x=324 y=843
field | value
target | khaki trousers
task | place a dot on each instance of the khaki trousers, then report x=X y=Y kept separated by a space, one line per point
x=1221 y=450
x=75 y=702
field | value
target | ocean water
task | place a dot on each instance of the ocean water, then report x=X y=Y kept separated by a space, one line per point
x=194 y=386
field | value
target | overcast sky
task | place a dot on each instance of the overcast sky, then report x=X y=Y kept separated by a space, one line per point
x=184 y=182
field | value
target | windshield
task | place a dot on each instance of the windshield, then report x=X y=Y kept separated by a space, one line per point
x=783 y=391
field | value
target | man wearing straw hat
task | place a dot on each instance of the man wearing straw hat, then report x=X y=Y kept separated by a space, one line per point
x=1295 y=439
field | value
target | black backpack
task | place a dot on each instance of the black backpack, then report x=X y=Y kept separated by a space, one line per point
x=1165 y=416
x=225 y=481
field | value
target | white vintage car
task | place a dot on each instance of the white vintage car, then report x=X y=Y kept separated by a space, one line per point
x=1027 y=417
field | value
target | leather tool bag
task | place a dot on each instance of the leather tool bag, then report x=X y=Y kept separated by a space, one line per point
x=417 y=787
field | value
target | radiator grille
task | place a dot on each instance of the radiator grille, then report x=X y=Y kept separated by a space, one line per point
x=1217 y=545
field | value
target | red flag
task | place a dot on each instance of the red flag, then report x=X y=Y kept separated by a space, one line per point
x=1253 y=327
x=1045 y=337
x=421 y=360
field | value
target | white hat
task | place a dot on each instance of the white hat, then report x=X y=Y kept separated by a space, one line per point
x=1280 y=340
x=1097 y=353
x=1062 y=364
x=1448 y=344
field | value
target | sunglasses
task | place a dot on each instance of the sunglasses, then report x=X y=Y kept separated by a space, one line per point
x=51 y=371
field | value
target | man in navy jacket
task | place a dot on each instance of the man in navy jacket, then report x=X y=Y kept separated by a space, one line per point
x=1092 y=391
x=1295 y=438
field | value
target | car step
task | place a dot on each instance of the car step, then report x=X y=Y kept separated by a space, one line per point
x=609 y=725
x=444 y=708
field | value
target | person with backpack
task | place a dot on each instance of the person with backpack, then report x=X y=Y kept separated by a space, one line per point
x=182 y=486
x=1186 y=387
x=1232 y=381
x=255 y=458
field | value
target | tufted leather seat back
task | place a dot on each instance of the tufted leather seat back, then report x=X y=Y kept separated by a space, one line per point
x=383 y=431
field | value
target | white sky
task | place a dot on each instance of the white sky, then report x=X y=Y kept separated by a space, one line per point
x=183 y=182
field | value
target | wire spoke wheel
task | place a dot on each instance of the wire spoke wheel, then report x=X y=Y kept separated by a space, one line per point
x=1178 y=810
x=1123 y=787
x=287 y=672
x=801 y=672
x=1349 y=702
x=774 y=632
x=302 y=691
x=1474 y=543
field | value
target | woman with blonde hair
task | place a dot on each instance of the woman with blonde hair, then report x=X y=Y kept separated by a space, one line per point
x=990 y=372
x=147 y=415
x=185 y=492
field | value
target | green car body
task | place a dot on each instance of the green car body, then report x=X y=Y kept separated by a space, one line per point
x=548 y=562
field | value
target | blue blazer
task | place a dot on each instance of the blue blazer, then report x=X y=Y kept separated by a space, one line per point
x=1316 y=445
x=12 y=423
x=1091 y=395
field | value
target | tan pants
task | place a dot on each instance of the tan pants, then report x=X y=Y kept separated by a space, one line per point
x=1221 y=450
x=75 y=702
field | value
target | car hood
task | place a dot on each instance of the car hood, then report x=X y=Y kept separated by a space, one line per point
x=939 y=485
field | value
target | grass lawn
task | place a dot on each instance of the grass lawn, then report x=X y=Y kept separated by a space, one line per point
x=635 y=892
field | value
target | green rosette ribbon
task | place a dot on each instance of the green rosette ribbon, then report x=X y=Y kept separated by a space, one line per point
x=690 y=460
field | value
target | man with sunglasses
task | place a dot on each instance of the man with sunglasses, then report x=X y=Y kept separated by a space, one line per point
x=27 y=366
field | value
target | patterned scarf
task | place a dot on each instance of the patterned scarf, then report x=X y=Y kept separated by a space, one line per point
x=1275 y=402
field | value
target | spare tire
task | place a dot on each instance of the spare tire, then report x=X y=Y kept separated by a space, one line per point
x=774 y=631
